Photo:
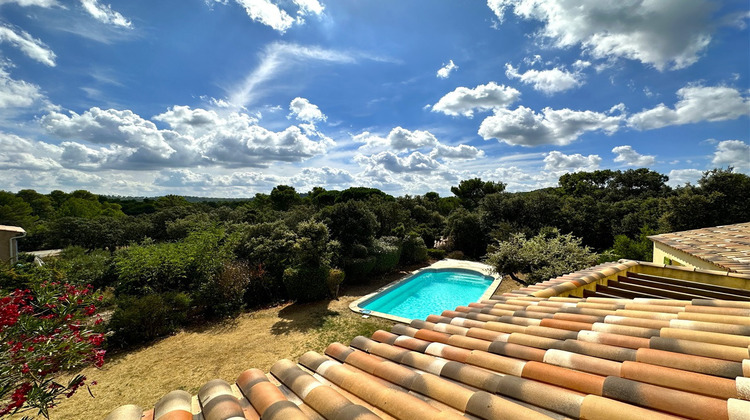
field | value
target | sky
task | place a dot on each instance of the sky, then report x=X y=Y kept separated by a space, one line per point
x=229 y=98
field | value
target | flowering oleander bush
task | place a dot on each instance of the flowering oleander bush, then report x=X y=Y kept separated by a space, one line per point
x=45 y=329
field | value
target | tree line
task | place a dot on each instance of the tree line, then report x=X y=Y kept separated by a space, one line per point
x=163 y=263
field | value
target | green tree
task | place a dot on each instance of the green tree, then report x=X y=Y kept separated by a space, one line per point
x=350 y=223
x=547 y=255
x=465 y=233
x=284 y=197
x=15 y=212
x=472 y=191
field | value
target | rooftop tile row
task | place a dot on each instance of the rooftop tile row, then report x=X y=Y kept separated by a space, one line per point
x=726 y=246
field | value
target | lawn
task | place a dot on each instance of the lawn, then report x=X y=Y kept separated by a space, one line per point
x=191 y=358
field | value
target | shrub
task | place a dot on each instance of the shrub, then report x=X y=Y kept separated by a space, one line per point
x=44 y=330
x=223 y=294
x=335 y=278
x=386 y=255
x=307 y=283
x=456 y=255
x=359 y=251
x=357 y=269
x=547 y=255
x=436 y=254
x=139 y=320
x=97 y=267
x=413 y=249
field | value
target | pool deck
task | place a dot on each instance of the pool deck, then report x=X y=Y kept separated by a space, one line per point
x=484 y=269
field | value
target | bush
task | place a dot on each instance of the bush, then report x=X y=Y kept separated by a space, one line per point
x=335 y=278
x=413 y=249
x=547 y=255
x=97 y=267
x=45 y=329
x=307 y=284
x=170 y=267
x=139 y=320
x=357 y=269
x=456 y=255
x=223 y=294
x=386 y=255
x=436 y=254
x=359 y=251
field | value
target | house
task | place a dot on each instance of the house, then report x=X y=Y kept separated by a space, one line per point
x=622 y=340
x=722 y=248
x=8 y=242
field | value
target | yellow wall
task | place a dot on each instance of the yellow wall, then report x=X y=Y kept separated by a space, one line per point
x=662 y=251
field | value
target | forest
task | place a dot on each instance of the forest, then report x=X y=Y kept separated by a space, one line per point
x=150 y=266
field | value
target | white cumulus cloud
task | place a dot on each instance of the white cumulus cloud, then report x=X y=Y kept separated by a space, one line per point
x=399 y=139
x=558 y=161
x=415 y=162
x=733 y=153
x=464 y=101
x=524 y=127
x=104 y=13
x=678 y=177
x=271 y=14
x=549 y=81
x=460 y=152
x=17 y=93
x=628 y=156
x=445 y=71
x=21 y=153
x=303 y=110
x=662 y=33
x=696 y=104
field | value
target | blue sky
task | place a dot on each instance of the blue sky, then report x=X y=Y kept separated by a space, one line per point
x=232 y=97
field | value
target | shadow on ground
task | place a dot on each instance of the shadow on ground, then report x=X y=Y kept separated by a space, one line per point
x=302 y=317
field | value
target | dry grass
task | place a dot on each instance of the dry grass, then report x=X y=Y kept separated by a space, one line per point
x=189 y=359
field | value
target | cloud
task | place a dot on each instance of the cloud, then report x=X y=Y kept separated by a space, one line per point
x=124 y=140
x=105 y=14
x=270 y=14
x=25 y=3
x=734 y=153
x=21 y=153
x=524 y=127
x=308 y=178
x=445 y=71
x=678 y=177
x=557 y=161
x=460 y=152
x=464 y=101
x=32 y=47
x=303 y=110
x=696 y=104
x=309 y=7
x=99 y=126
x=278 y=58
x=664 y=33
x=399 y=139
x=628 y=156
x=548 y=81
x=415 y=162
x=17 y=93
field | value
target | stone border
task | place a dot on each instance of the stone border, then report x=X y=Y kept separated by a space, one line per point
x=444 y=264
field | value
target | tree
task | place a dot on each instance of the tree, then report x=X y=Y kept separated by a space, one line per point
x=547 y=255
x=283 y=197
x=472 y=191
x=465 y=233
x=350 y=223
x=15 y=212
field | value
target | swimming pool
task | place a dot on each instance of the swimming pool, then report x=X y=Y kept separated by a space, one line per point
x=428 y=291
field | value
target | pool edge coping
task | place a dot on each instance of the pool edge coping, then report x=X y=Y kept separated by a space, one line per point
x=446 y=263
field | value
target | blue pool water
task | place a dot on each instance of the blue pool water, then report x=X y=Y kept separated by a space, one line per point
x=430 y=292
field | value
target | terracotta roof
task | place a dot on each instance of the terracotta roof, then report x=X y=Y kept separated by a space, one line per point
x=726 y=246
x=524 y=354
